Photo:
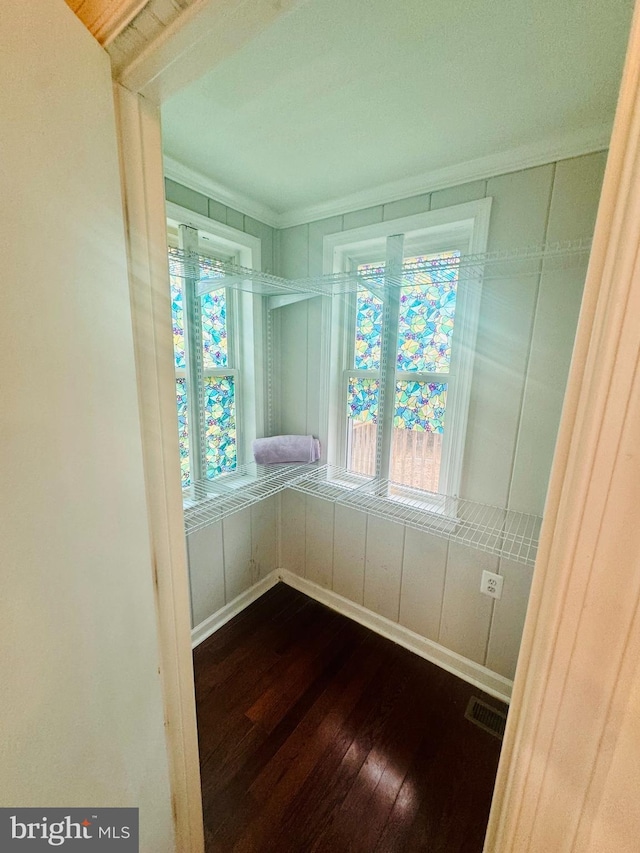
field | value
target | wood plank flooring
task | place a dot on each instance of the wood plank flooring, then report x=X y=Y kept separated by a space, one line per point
x=318 y=735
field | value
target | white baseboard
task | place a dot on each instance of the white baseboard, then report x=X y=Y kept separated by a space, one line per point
x=220 y=617
x=469 y=671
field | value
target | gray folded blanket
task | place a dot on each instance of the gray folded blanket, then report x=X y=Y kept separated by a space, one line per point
x=286 y=448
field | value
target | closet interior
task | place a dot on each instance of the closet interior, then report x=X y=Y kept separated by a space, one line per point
x=352 y=529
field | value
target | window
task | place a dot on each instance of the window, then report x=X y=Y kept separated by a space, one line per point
x=180 y=360
x=427 y=382
x=422 y=377
x=207 y=352
x=213 y=401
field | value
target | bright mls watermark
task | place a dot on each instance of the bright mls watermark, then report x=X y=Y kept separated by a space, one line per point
x=102 y=830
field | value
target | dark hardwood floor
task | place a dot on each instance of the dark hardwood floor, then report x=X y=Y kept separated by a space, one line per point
x=318 y=735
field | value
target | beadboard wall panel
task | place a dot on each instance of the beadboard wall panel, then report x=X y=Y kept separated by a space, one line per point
x=264 y=539
x=458 y=195
x=518 y=218
x=527 y=209
x=319 y=541
x=293 y=520
x=315 y=378
x=508 y=618
x=525 y=338
x=424 y=583
x=466 y=613
x=383 y=567
x=238 y=568
x=407 y=207
x=292 y=385
x=317 y=230
x=206 y=572
x=293 y=246
x=228 y=557
x=526 y=330
x=349 y=550
x=424 y=567
x=576 y=191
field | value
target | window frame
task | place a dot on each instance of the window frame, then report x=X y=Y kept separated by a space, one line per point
x=461 y=227
x=245 y=327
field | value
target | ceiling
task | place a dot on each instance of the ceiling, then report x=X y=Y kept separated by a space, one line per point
x=105 y=19
x=341 y=96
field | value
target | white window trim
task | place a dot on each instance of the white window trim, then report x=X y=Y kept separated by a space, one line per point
x=247 y=331
x=246 y=248
x=463 y=226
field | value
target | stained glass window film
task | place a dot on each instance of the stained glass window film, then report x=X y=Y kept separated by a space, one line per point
x=362 y=415
x=427 y=311
x=183 y=430
x=368 y=330
x=214 y=329
x=420 y=406
x=177 y=316
x=219 y=425
x=362 y=399
x=218 y=415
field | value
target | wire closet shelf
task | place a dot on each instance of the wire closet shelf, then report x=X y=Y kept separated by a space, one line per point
x=495 y=530
x=505 y=533
x=214 y=274
x=208 y=501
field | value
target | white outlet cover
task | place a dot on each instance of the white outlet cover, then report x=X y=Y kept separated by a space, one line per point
x=491 y=584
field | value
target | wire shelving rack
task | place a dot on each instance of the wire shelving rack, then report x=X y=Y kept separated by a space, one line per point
x=215 y=274
x=208 y=501
x=495 y=530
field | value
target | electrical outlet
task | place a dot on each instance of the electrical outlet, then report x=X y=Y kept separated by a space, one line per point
x=491 y=584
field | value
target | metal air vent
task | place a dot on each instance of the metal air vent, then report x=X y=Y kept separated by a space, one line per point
x=490 y=719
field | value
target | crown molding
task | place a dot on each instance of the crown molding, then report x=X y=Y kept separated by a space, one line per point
x=561 y=147
x=176 y=171
x=525 y=157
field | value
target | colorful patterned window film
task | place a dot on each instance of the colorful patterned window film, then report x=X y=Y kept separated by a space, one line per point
x=368 y=330
x=420 y=406
x=362 y=400
x=362 y=413
x=427 y=310
x=214 y=329
x=177 y=314
x=183 y=430
x=220 y=425
x=218 y=415
x=369 y=320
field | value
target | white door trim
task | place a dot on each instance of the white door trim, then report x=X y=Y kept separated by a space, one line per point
x=143 y=194
x=577 y=676
x=580 y=625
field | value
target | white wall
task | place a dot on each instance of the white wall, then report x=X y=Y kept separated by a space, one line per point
x=81 y=704
x=525 y=339
x=228 y=557
x=424 y=583
x=525 y=334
